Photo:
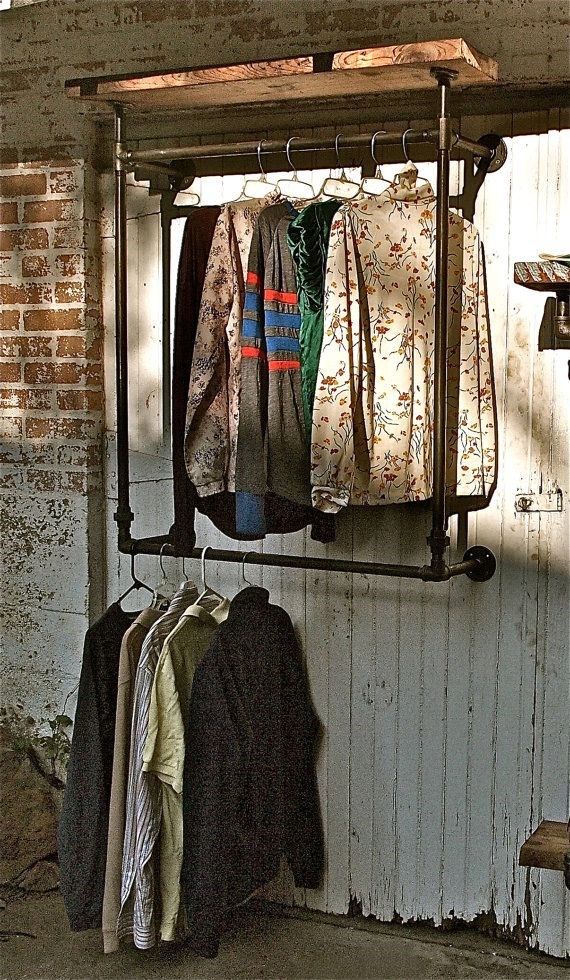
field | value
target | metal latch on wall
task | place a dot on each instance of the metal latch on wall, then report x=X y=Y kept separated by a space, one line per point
x=530 y=503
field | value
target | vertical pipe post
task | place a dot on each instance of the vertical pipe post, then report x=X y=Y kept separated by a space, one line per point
x=123 y=515
x=166 y=239
x=438 y=539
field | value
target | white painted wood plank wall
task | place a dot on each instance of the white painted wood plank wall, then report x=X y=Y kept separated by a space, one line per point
x=445 y=709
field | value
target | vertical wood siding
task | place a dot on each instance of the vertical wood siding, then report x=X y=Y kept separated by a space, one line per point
x=444 y=708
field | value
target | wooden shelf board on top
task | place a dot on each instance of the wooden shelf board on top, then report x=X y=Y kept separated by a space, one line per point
x=345 y=73
x=547 y=846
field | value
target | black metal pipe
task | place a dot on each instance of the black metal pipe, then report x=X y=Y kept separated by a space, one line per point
x=166 y=238
x=302 y=145
x=123 y=515
x=160 y=545
x=438 y=540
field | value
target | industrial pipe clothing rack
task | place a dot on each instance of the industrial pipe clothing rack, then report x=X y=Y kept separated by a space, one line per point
x=458 y=60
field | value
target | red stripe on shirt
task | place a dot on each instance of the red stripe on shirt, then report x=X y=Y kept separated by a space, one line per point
x=253 y=279
x=277 y=296
x=283 y=365
x=252 y=352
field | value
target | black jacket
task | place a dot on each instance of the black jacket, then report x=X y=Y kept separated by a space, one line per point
x=84 y=821
x=250 y=792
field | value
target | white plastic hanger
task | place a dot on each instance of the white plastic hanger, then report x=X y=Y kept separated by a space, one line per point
x=207 y=591
x=292 y=187
x=377 y=184
x=340 y=187
x=259 y=187
x=163 y=589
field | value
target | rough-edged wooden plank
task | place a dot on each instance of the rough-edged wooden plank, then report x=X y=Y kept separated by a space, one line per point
x=339 y=698
x=547 y=846
x=448 y=53
x=366 y=598
x=362 y=72
x=517 y=636
x=491 y=216
x=551 y=781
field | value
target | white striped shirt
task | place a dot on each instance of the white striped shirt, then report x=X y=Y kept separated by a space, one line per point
x=143 y=805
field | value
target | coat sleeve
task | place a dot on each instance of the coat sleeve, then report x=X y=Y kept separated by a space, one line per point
x=304 y=842
x=213 y=777
x=83 y=825
x=338 y=392
x=251 y=462
x=206 y=442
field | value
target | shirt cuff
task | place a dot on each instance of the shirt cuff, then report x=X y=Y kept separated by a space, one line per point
x=330 y=500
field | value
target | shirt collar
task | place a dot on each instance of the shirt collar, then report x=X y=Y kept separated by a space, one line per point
x=147 y=617
x=214 y=616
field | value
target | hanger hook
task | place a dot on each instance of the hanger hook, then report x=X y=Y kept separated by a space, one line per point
x=160 y=557
x=336 y=139
x=133 y=573
x=243 y=561
x=373 y=145
x=404 y=146
x=259 y=150
x=203 y=560
x=288 y=153
x=184 y=575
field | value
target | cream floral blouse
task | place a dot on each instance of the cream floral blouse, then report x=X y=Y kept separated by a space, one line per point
x=212 y=415
x=373 y=410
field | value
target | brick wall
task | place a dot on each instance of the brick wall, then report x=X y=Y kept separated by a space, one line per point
x=50 y=347
x=51 y=405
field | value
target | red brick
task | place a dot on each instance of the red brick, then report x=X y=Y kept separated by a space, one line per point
x=42 y=211
x=75 y=401
x=48 y=372
x=60 y=428
x=69 y=292
x=23 y=185
x=67 y=236
x=62 y=182
x=36 y=398
x=35 y=265
x=69 y=264
x=9 y=213
x=43 y=480
x=38 y=320
x=25 y=347
x=70 y=347
x=10 y=372
x=25 y=239
x=9 y=319
x=18 y=295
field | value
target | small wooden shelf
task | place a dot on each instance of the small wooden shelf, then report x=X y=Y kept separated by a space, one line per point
x=345 y=73
x=546 y=276
x=547 y=847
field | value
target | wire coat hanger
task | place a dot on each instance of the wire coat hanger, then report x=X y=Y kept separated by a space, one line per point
x=340 y=187
x=136 y=583
x=378 y=183
x=409 y=175
x=259 y=187
x=291 y=186
x=207 y=590
x=242 y=579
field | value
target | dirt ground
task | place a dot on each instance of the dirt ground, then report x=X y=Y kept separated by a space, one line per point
x=36 y=944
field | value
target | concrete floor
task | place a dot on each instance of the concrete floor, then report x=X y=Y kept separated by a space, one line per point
x=258 y=946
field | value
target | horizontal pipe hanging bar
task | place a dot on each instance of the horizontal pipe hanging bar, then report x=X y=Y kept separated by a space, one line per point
x=308 y=145
x=160 y=544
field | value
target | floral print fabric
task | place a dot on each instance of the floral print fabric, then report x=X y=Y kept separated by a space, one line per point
x=212 y=416
x=373 y=411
